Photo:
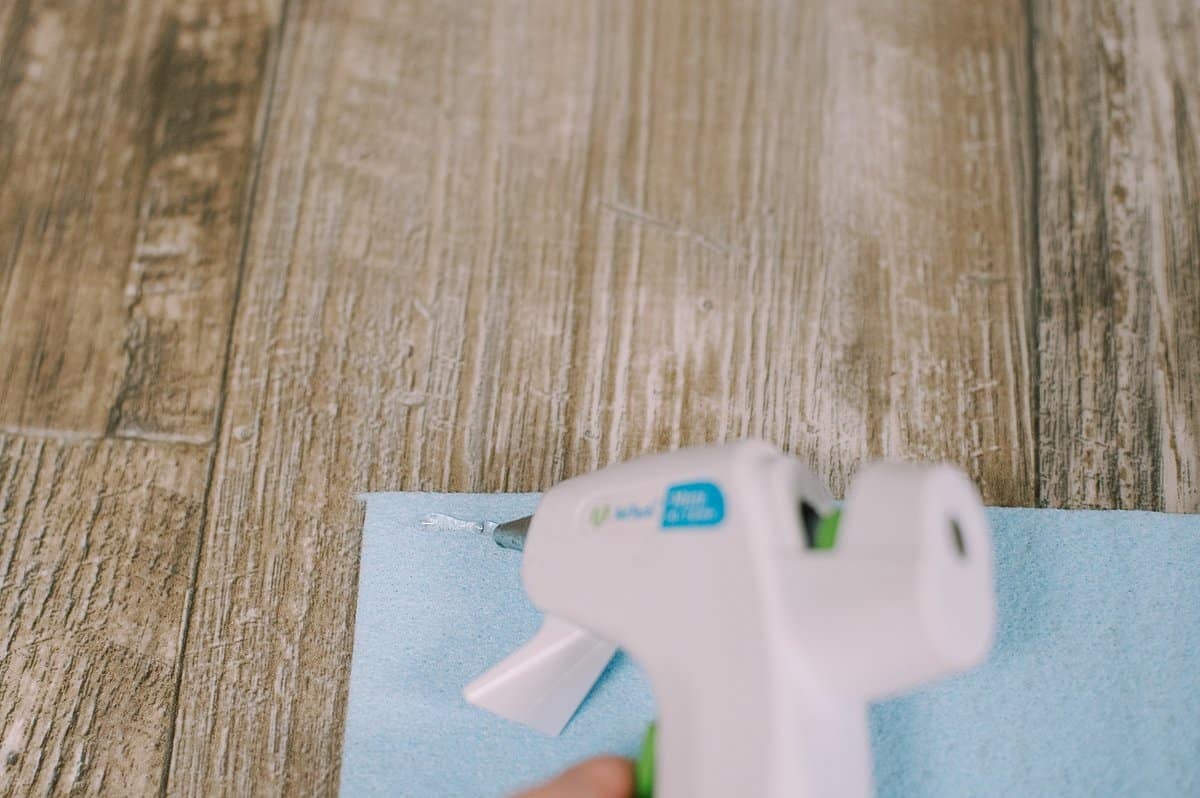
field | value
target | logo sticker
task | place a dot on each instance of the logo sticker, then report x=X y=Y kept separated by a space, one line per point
x=693 y=504
x=601 y=514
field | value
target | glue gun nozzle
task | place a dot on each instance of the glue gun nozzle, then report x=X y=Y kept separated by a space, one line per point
x=511 y=534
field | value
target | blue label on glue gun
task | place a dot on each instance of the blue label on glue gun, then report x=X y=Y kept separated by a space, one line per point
x=693 y=504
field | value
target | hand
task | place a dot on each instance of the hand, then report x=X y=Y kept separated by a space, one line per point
x=604 y=777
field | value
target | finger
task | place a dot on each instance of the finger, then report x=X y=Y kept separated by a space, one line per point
x=604 y=777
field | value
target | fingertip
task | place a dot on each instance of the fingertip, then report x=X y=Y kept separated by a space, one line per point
x=607 y=776
x=602 y=777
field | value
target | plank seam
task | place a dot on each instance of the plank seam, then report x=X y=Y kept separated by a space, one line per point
x=267 y=101
x=1035 y=247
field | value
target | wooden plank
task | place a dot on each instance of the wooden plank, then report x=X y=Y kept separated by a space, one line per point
x=1119 y=258
x=497 y=246
x=127 y=132
x=926 y=330
x=97 y=543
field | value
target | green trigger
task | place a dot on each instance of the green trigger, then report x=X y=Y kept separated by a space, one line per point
x=826 y=532
x=644 y=768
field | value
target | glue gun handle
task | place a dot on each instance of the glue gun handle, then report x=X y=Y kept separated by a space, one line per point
x=758 y=740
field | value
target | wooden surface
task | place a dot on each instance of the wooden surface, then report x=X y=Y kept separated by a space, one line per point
x=255 y=259
x=93 y=587
x=1118 y=295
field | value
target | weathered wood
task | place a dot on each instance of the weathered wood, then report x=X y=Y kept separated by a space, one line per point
x=1118 y=119
x=496 y=247
x=97 y=543
x=925 y=329
x=127 y=132
x=127 y=137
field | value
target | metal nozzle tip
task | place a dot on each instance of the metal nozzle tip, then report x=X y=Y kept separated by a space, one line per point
x=511 y=534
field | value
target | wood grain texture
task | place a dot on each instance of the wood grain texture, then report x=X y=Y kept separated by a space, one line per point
x=925 y=340
x=92 y=591
x=501 y=245
x=1118 y=117
x=126 y=136
x=498 y=244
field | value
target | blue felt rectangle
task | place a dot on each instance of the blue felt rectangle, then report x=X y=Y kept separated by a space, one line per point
x=1093 y=688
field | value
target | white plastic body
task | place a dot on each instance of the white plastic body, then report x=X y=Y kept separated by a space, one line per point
x=762 y=653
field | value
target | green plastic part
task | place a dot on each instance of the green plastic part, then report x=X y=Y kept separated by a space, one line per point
x=827 y=528
x=644 y=769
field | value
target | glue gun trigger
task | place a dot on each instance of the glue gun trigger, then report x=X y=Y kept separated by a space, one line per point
x=543 y=683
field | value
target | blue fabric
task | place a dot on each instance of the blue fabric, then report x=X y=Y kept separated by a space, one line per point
x=1093 y=688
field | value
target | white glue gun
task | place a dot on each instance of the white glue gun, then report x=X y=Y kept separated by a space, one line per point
x=764 y=619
